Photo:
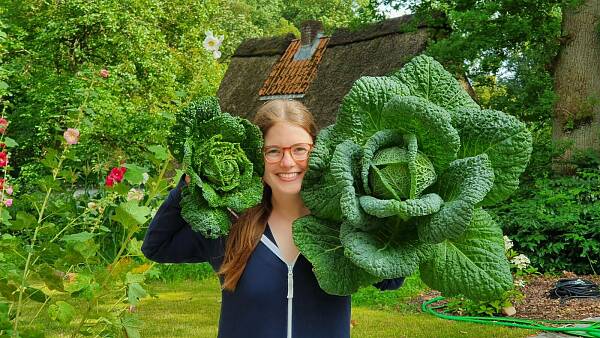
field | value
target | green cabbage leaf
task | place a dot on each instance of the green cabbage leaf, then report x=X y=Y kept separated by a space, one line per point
x=397 y=184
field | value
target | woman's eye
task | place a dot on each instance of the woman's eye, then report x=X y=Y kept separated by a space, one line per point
x=300 y=150
x=273 y=151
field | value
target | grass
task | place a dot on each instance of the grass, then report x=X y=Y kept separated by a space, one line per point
x=191 y=309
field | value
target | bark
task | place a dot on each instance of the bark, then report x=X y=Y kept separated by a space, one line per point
x=577 y=82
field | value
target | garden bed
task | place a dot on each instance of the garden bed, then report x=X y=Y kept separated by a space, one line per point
x=536 y=304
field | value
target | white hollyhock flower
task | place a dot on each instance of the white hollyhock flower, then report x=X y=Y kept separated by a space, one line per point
x=211 y=42
x=135 y=194
x=216 y=54
x=521 y=261
x=508 y=244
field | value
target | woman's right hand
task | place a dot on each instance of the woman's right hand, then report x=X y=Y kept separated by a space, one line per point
x=187 y=179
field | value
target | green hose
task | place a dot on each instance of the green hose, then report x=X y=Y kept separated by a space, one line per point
x=538 y=324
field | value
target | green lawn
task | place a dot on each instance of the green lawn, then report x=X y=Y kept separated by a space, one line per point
x=191 y=309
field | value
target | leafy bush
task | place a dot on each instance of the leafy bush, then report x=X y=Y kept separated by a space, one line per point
x=556 y=222
x=398 y=183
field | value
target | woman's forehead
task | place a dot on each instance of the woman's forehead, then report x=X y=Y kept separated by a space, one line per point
x=284 y=133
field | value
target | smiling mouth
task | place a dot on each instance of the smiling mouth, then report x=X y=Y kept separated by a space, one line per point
x=288 y=175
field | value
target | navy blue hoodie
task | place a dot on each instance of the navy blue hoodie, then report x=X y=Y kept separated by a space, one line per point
x=272 y=299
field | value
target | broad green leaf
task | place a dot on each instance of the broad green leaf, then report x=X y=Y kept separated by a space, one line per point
x=135 y=292
x=5 y=217
x=23 y=220
x=10 y=143
x=134 y=278
x=382 y=139
x=320 y=190
x=506 y=141
x=134 y=173
x=360 y=113
x=132 y=325
x=462 y=187
x=319 y=242
x=159 y=152
x=425 y=77
x=62 y=312
x=51 y=277
x=473 y=265
x=386 y=251
x=437 y=138
x=131 y=215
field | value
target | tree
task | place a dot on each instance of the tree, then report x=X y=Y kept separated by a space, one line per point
x=549 y=47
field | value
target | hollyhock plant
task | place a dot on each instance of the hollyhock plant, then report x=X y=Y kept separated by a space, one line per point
x=3 y=159
x=3 y=125
x=104 y=73
x=8 y=202
x=9 y=190
x=71 y=135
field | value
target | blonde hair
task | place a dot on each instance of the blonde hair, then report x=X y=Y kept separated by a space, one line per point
x=245 y=233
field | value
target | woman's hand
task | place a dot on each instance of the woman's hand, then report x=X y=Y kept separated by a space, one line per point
x=187 y=179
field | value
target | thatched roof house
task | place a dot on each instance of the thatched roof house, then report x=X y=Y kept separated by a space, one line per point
x=316 y=69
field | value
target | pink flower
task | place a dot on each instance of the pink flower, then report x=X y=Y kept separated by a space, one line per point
x=3 y=159
x=104 y=73
x=8 y=202
x=71 y=135
x=3 y=125
x=109 y=181
x=9 y=190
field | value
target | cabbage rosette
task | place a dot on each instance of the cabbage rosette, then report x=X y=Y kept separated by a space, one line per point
x=222 y=156
x=397 y=184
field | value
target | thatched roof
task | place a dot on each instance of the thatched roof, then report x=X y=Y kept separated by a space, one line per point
x=375 y=50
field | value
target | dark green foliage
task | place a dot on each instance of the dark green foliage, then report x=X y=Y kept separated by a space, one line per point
x=556 y=222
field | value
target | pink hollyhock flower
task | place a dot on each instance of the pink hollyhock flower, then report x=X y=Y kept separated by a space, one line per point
x=3 y=159
x=71 y=135
x=3 y=125
x=8 y=202
x=104 y=73
x=9 y=190
x=2 y=183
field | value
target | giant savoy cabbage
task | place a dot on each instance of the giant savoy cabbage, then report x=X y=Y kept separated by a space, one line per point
x=399 y=181
x=222 y=155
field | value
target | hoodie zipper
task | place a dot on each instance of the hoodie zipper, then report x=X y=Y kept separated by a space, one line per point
x=290 y=280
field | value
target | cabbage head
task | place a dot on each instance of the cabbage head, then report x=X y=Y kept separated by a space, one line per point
x=222 y=156
x=398 y=183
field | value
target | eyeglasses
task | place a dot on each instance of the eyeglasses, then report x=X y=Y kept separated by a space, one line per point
x=299 y=152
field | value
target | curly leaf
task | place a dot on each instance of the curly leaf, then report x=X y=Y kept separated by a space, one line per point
x=210 y=222
x=438 y=140
x=319 y=242
x=473 y=265
x=386 y=251
x=462 y=186
x=359 y=116
x=426 y=78
x=425 y=205
x=505 y=140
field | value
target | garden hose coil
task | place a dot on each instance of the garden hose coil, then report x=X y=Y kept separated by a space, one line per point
x=592 y=330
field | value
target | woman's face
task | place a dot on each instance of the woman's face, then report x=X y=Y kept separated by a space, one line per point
x=285 y=176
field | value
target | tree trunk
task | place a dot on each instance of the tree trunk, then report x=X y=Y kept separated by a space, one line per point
x=577 y=83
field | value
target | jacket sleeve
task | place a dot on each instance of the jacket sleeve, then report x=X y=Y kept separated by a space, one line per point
x=390 y=284
x=170 y=239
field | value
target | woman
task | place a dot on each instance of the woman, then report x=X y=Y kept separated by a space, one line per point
x=269 y=288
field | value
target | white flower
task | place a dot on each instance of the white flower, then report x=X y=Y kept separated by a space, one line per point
x=216 y=54
x=92 y=205
x=135 y=194
x=212 y=43
x=145 y=178
x=507 y=243
x=521 y=261
x=519 y=283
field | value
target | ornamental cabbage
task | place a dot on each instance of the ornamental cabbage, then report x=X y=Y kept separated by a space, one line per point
x=222 y=155
x=398 y=183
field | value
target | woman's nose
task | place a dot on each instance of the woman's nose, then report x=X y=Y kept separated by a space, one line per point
x=287 y=160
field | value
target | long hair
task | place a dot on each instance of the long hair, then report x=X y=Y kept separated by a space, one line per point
x=246 y=232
